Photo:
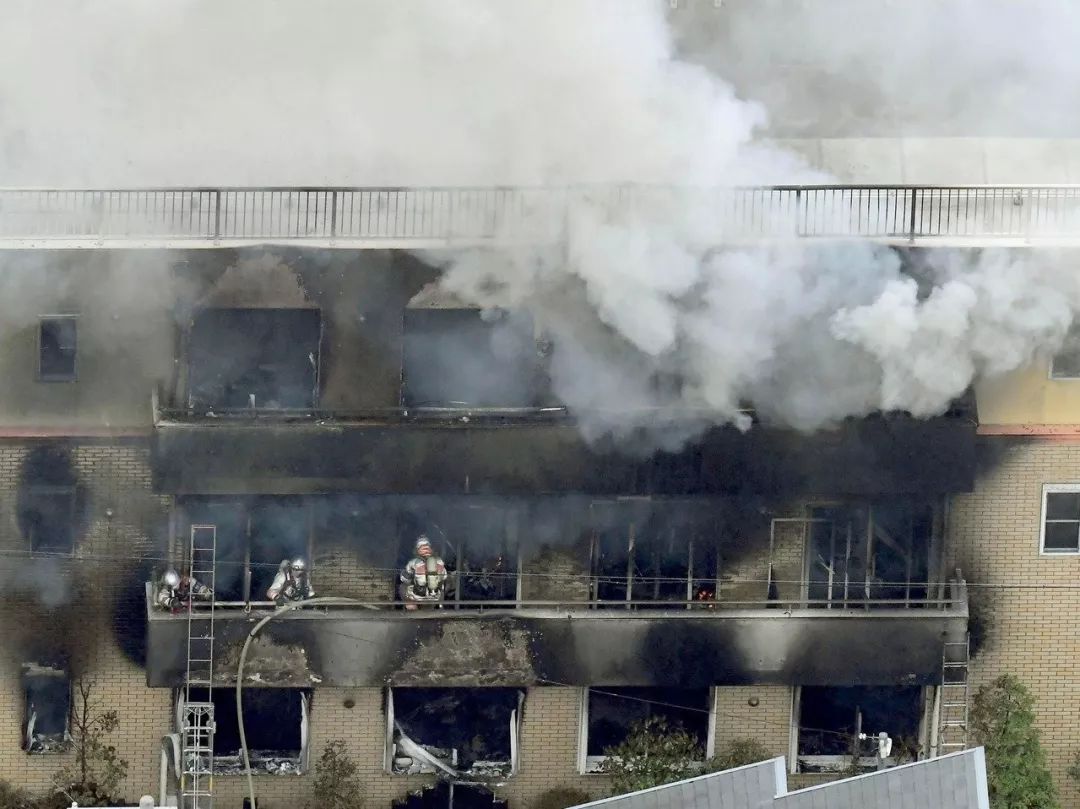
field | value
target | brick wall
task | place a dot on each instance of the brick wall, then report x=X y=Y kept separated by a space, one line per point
x=1030 y=603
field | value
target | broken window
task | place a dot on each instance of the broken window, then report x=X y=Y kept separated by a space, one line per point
x=254 y=358
x=611 y=713
x=275 y=723
x=830 y=720
x=477 y=541
x=280 y=528
x=454 y=731
x=858 y=553
x=1066 y=363
x=1061 y=518
x=57 y=344
x=649 y=553
x=47 y=694
x=468 y=358
x=47 y=514
x=253 y=536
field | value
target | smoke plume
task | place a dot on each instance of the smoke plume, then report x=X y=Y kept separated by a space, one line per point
x=649 y=313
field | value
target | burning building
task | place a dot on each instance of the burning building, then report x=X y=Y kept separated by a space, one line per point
x=333 y=403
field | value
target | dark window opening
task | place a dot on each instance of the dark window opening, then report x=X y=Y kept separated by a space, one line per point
x=869 y=552
x=465 y=730
x=831 y=719
x=654 y=553
x=253 y=536
x=1061 y=525
x=468 y=358
x=613 y=712
x=275 y=723
x=57 y=346
x=478 y=543
x=451 y=795
x=47 y=514
x=279 y=531
x=47 y=708
x=254 y=358
x=1066 y=363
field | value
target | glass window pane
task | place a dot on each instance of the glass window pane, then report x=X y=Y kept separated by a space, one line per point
x=1063 y=506
x=1062 y=536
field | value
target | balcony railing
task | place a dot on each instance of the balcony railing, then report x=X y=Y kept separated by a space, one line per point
x=419 y=216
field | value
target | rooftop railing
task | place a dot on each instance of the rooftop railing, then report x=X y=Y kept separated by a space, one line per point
x=443 y=215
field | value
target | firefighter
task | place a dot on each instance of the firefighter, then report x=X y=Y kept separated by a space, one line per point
x=291 y=582
x=176 y=592
x=423 y=578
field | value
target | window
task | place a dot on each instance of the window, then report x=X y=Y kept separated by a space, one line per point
x=56 y=348
x=47 y=693
x=453 y=731
x=275 y=722
x=47 y=514
x=860 y=552
x=1066 y=363
x=253 y=536
x=1061 y=518
x=468 y=358
x=609 y=713
x=648 y=551
x=254 y=358
x=829 y=721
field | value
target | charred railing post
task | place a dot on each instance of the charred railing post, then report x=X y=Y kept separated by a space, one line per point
x=217 y=214
x=333 y=214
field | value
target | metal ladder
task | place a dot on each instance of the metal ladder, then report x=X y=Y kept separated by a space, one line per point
x=954 y=696
x=197 y=731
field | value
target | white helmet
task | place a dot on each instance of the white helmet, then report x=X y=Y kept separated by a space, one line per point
x=298 y=565
x=171 y=578
x=422 y=542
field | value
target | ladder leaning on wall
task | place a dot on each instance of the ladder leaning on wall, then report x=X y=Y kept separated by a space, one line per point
x=954 y=697
x=197 y=718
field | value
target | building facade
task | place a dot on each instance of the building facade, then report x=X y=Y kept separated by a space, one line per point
x=331 y=402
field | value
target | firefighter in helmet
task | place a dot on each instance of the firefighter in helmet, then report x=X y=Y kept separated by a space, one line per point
x=423 y=578
x=291 y=582
x=176 y=592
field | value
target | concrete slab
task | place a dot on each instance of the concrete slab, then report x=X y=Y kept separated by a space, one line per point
x=943 y=161
x=1026 y=160
x=863 y=160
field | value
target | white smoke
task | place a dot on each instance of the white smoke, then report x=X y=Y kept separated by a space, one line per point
x=650 y=315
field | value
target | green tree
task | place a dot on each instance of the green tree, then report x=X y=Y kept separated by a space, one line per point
x=1002 y=720
x=337 y=783
x=738 y=753
x=653 y=753
x=94 y=778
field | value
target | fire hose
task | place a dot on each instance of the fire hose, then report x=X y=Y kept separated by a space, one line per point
x=311 y=602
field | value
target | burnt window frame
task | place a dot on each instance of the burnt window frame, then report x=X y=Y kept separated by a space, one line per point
x=71 y=491
x=848 y=589
x=202 y=516
x=593 y=765
x=45 y=672
x=389 y=743
x=866 y=763
x=1049 y=489
x=193 y=403
x=698 y=548
x=42 y=376
x=303 y=760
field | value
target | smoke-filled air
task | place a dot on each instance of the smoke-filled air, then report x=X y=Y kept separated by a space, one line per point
x=650 y=314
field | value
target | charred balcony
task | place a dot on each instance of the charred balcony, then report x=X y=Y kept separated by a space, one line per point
x=686 y=644
x=412 y=217
x=483 y=451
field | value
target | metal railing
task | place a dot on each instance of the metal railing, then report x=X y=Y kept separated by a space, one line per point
x=957 y=598
x=445 y=215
